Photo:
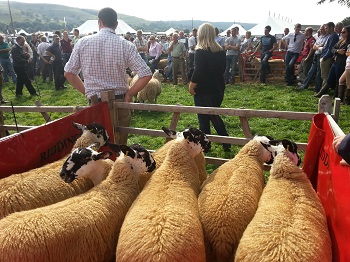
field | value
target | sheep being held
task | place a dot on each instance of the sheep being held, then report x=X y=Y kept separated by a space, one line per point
x=290 y=223
x=81 y=228
x=229 y=199
x=42 y=186
x=163 y=223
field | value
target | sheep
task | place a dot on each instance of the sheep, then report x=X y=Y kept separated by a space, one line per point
x=151 y=91
x=163 y=222
x=159 y=156
x=290 y=223
x=81 y=228
x=229 y=199
x=42 y=186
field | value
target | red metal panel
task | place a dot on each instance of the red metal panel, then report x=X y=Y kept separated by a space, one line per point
x=47 y=143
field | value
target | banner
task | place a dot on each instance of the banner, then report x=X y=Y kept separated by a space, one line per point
x=47 y=143
x=332 y=184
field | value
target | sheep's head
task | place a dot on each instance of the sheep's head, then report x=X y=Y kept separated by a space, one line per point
x=95 y=129
x=289 y=148
x=193 y=135
x=139 y=158
x=156 y=74
x=80 y=160
x=265 y=142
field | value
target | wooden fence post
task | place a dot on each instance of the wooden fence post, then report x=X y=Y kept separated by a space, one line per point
x=336 y=109
x=2 y=131
x=110 y=97
x=45 y=115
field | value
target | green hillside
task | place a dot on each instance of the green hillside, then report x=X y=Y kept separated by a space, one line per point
x=49 y=17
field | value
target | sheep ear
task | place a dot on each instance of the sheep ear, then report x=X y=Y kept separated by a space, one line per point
x=79 y=126
x=114 y=147
x=127 y=151
x=275 y=142
x=169 y=132
x=290 y=146
x=102 y=155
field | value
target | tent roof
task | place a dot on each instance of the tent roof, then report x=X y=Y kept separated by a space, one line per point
x=22 y=31
x=91 y=26
x=170 y=31
x=277 y=26
x=242 y=31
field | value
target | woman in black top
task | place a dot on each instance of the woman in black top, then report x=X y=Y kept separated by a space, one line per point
x=207 y=83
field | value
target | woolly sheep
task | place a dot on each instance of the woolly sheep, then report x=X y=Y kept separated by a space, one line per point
x=163 y=223
x=290 y=223
x=151 y=91
x=229 y=199
x=42 y=186
x=81 y=228
x=159 y=156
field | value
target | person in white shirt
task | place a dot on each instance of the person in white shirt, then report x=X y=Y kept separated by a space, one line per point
x=192 y=42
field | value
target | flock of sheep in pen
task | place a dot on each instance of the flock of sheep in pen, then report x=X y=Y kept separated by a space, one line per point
x=163 y=206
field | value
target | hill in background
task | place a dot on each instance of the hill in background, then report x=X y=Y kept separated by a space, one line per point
x=49 y=17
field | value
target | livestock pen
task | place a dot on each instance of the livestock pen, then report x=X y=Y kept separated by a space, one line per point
x=340 y=240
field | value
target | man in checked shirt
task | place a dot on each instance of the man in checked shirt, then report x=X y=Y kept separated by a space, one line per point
x=103 y=59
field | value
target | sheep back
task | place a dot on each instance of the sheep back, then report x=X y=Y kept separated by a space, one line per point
x=229 y=199
x=163 y=223
x=290 y=223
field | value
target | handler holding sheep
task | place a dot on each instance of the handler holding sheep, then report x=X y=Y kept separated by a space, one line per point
x=103 y=59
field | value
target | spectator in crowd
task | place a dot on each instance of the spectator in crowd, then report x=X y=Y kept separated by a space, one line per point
x=295 y=40
x=228 y=35
x=237 y=33
x=247 y=42
x=220 y=40
x=232 y=47
x=284 y=45
x=6 y=62
x=338 y=29
x=306 y=62
x=20 y=59
x=207 y=84
x=54 y=51
x=327 y=54
x=34 y=70
x=177 y=50
x=344 y=81
x=46 y=66
x=141 y=45
x=2 y=101
x=127 y=36
x=267 y=45
x=183 y=39
x=103 y=58
x=76 y=36
x=155 y=51
x=165 y=45
x=169 y=72
x=315 y=69
x=66 y=46
x=192 y=42
x=28 y=49
x=338 y=65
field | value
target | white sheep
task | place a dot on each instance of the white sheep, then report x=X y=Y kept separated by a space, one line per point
x=229 y=199
x=159 y=156
x=42 y=186
x=163 y=223
x=81 y=228
x=151 y=91
x=290 y=223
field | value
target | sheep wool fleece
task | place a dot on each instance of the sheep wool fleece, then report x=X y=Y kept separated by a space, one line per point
x=290 y=223
x=81 y=228
x=43 y=186
x=159 y=156
x=163 y=223
x=229 y=199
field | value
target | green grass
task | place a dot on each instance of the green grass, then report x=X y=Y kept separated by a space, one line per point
x=241 y=95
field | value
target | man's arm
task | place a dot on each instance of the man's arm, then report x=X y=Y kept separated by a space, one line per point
x=138 y=86
x=75 y=81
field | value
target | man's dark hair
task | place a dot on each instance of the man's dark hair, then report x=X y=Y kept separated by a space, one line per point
x=330 y=25
x=76 y=30
x=108 y=17
x=268 y=27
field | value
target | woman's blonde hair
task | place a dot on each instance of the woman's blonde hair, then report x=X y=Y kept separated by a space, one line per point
x=206 y=38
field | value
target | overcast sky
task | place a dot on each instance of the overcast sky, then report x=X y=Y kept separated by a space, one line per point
x=251 y=11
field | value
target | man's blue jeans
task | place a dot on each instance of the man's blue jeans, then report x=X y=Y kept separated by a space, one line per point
x=289 y=62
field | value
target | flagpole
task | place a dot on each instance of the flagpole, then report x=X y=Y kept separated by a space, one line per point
x=13 y=29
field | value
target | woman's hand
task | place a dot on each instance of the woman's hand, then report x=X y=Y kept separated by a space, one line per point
x=191 y=88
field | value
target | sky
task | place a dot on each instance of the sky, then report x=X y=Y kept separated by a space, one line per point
x=252 y=11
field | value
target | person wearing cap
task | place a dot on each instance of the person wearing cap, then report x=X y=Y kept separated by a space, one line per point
x=103 y=58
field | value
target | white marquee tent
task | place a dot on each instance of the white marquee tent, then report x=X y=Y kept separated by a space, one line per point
x=242 y=30
x=91 y=26
x=277 y=26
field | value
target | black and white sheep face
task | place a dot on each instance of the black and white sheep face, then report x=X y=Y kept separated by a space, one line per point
x=80 y=161
x=289 y=148
x=192 y=135
x=96 y=129
x=139 y=158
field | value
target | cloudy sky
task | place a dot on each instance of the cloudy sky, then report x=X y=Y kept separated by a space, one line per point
x=252 y=11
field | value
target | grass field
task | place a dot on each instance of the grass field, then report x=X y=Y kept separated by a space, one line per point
x=241 y=95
